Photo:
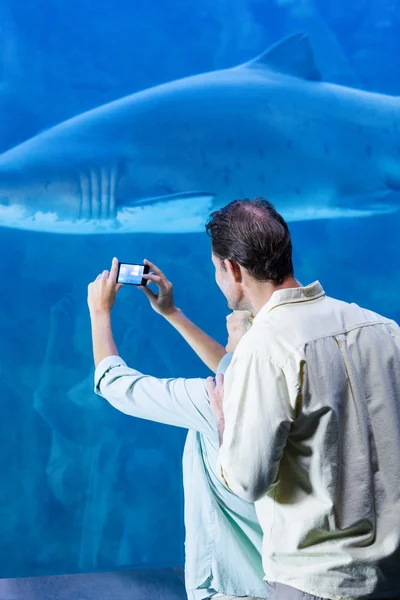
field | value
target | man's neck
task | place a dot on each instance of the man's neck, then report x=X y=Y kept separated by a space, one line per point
x=260 y=293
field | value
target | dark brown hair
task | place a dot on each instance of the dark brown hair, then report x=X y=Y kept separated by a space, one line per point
x=254 y=235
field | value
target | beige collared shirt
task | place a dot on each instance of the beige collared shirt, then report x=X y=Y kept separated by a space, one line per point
x=312 y=435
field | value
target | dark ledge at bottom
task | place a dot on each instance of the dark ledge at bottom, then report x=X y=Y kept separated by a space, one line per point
x=151 y=584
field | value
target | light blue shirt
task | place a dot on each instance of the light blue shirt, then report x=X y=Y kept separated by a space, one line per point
x=223 y=536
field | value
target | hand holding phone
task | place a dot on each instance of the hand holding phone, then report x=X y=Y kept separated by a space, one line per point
x=163 y=301
x=132 y=273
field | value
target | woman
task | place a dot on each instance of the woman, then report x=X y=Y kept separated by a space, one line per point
x=223 y=536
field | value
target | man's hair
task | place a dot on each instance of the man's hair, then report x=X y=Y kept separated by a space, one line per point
x=254 y=235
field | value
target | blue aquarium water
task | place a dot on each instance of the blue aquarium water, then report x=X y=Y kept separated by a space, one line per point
x=123 y=125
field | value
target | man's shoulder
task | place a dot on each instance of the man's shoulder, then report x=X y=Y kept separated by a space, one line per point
x=359 y=314
x=282 y=332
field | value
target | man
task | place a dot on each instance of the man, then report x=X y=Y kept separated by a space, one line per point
x=310 y=421
x=223 y=536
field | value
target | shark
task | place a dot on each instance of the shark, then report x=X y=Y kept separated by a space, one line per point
x=162 y=159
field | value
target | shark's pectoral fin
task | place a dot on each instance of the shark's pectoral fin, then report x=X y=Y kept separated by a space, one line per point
x=98 y=193
x=382 y=203
x=292 y=56
x=346 y=207
x=193 y=198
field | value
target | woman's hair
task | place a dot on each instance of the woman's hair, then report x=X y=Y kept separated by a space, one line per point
x=248 y=318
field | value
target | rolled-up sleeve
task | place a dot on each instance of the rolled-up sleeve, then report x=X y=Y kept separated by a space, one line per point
x=179 y=402
x=257 y=423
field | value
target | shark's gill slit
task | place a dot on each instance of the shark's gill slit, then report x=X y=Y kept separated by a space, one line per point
x=113 y=191
x=95 y=195
x=105 y=192
x=85 y=199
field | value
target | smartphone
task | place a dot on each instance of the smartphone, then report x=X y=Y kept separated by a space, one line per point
x=132 y=273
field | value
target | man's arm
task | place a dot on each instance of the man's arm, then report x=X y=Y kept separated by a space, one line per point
x=207 y=349
x=257 y=421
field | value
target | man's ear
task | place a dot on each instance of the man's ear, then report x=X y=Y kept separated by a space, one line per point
x=233 y=269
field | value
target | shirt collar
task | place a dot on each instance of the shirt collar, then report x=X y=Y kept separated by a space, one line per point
x=313 y=291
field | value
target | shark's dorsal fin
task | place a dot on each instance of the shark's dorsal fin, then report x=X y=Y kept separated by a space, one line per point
x=292 y=56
